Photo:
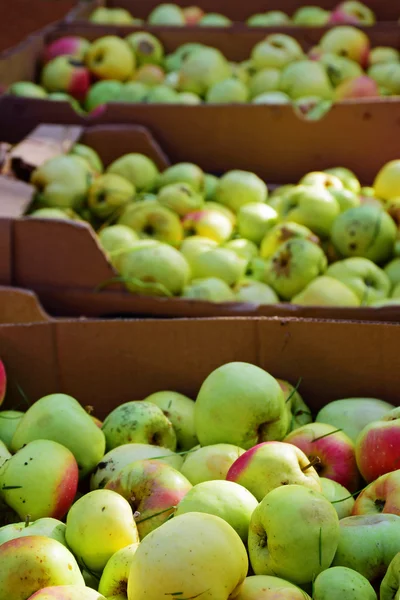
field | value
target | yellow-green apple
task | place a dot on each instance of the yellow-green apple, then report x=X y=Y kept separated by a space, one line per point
x=103 y=92
x=210 y=185
x=378 y=446
x=53 y=213
x=155 y=269
x=210 y=462
x=113 y=16
x=208 y=223
x=334 y=449
x=240 y=404
x=269 y=465
x=108 y=195
x=40 y=480
x=161 y=94
x=226 y=499
x=115 y=240
x=298 y=411
x=367 y=544
x=183 y=173
x=390 y=586
x=243 y=248
x=311 y=16
x=66 y=74
x=276 y=51
x=4 y=453
x=387 y=76
x=99 y=524
x=110 y=57
x=359 y=87
x=295 y=264
x=27 y=89
x=201 y=69
x=271 y=17
x=215 y=20
x=192 y=14
x=210 y=289
x=181 y=198
x=273 y=98
x=228 y=91
x=347 y=41
x=312 y=206
x=392 y=270
x=114 y=461
x=293 y=534
x=166 y=14
x=219 y=262
x=47 y=527
x=152 y=220
x=33 y=562
x=9 y=419
x=237 y=188
x=268 y=587
x=137 y=168
x=254 y=220
x=367 y=280
x=341 y=582
x=383 y=54
x=346 y=199
x=216 y=555
x=352 y=12
x=351 y=415
x=90 y=155
x=255 y=292
x=195 y=245
x=146 y=47
x=61 y=418
x=132 y=92
x=70 y=45
x=282 y=233
x=380 y=496
x=141 y=422
x=340 y=498
x=305 y=78
x=150 y=75
x=347 y=177
x=387 y=182
x=263 y=81
x=179 y=409
x=212 y=205
x=366 y=231
x=153 y=489
x=62 y=182
x=67 y=592
x=321 y=178
x=326 y=291
x=114 y=579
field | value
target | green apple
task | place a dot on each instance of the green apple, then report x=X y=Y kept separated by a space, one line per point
x=351 y=415
x=216 y=206
x=53 y=213
x=341 y=582
x=339 y=68
x=347 y=41
x=276 y=51
x=214 y=20
x=173 y=62
x=210 y=223
x=368 y=282
x=243 y=248
x=366 y=231
x=237 y=188
x=62 y=182
x=34 y=562
x=131 y=92
x=26 y=89
x=226 y=499
x=66 y=74
x=321 y=178
x=188 y=98
x=293 y=266
x=293 y=534
x=166 y=14
x=392 y=270
x=196 y=244
x=305 y=78
x=312 y=206
x=272 y=17
x=210 y=289
x=347 y=177
x=183 y=173
x=283 y=232
x=219 y=262
x=155 y=269
x=340 y=498
x=150 y=219
x=68 y=592
x=47 y=527
x=240 y=404
x=210 y=462
x=111 y=16
x=122 y=456
x=255 y=292
x=137 y=168
x=108 y=195
x=115 y=240
x=274 y=98
x=390 y=585
x=181 y=198
x=61 y=418
x=110 y=57
x=217 y=557
x=311 y=16
x=346 y=199
x=383 y=54
x=201 y=69
x=326 y=291
x=138 y=422
x=228 y=91
x=368 y=544
x=88 y=154
x=387 y=182
x=179 y=409
x=98 y=525
x=162 y=94
x=265 y=80
x=387 y=76
x=103 y=92
x=254 y=220
x=146 y=47
x=210 y=185
x=114 y=578
x=9 y=420
x=267 y=587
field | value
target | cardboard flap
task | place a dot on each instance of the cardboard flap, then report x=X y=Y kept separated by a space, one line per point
x=6 y=251
x=20 y=306
x=15 y=197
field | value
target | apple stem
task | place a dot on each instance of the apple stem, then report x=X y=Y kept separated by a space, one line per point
x=315 y=461
x=161 y=512
x=348 y=497
x=89 y=409
x=27 y=520
x=294 y=390
x=326 y=435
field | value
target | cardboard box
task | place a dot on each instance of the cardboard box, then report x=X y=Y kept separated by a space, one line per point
x=63 y=263
x=107 y=363
x=20 y=306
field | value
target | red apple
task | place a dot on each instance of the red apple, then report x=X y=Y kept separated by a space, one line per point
x=378 y=447
x=352 y=12
x=359 y=87
x=70 y=45
x=3 y=382
x=334 y=449
x=192 y=14
x=380 y=496
x=66 y=74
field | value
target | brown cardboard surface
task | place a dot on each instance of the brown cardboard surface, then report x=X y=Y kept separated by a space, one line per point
x=106 y=363
x=20 y=306
x=15 y=196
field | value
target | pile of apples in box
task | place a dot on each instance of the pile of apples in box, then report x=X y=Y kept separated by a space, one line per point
x=236 y=495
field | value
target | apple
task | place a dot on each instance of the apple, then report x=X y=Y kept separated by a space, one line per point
x=254 y=220
x=47 y=527
x=216 y=555
x=114 y=578
x=359 y=87
x=347 y=41
x=344 y=583
x=115 y=240
x=351 y=415
x=255 y=292
x=161 y=94
x=155 y=269
x=33 y=562
x=320 y=179
x=267 y=587
x=311 y=16
x=53 y=213
x=214 y=20
x=110 y=57
x=146 y=47
x=380 y=496
x=368 y=282
x=27 y=89
x=271 y=17
x=353 y=13
x=113 y=16
x=387 y=182
x=40 y=480
x=377 y=446
x=265 y=80
x=293 y=534
x=67 y=592
x=114 y=461
x=61 y=418
x=312 y=206
x=9 y=419
x=90 y=155
x=103 y=92
x=201 y=69
x=240 y=404
x=219 y=262
x=66 y=74
x=166 y=14
x=108 y=195
x=150 y=219
x=274 y=98
x=138 y=422
x=150 y=75
x=387 y=76
x=196 y=244
x=294 y=265
x=174 y=61
x=276 y=51
x=383 y=54
x=347 y=177
x=183 y=173
x=281 y=233
x=138 y=169
x=390 y=583
x=305 y=78
x=392 y=270
x=228 y=91
x=326 y=291
x=62 y=182
x=269 y=465
x=70 y=45
x=131 y=92
x=237 y=188
x=365 y=231
x=188 y=98
x=340 y=498
x=298 y=411
x=210 y=462
x=209 y=289
x=179 y=409
x=334 y=449
x=181 y=198
x=367 y=544
x=345 y=199
x=243 y=248
x=192 y=14
x=208 y=223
